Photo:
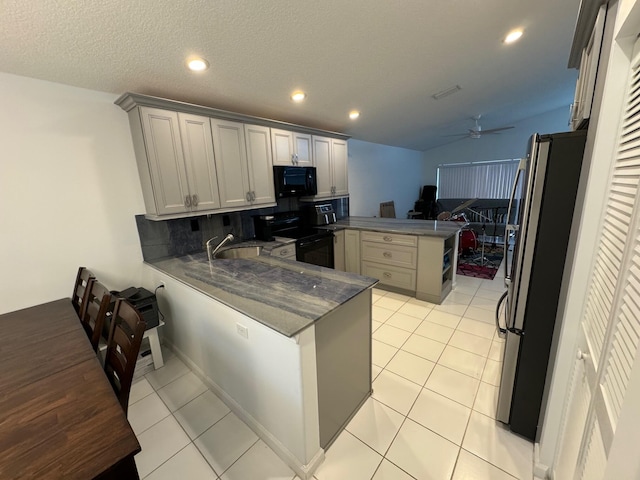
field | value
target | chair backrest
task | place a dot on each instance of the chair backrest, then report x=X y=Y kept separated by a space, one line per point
x=125 y=336
x=94 y=311
x=388 y=209
x=80 y=288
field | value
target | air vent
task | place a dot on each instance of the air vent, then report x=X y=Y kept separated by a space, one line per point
x=447 y=92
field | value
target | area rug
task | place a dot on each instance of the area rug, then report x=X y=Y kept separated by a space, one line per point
x=479 y=266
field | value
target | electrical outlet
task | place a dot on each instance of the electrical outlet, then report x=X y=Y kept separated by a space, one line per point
x=242 y=330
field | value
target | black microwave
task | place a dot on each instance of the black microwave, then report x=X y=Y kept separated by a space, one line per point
x=295 y=181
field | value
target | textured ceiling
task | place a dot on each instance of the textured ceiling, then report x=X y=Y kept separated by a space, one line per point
x=383 y=57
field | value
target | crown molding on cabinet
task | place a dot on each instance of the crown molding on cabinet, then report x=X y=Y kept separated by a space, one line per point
x=584 y=26
x=128 y=101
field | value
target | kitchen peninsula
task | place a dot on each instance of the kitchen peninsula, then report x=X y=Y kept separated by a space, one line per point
x=287 y=345
x=415 y=257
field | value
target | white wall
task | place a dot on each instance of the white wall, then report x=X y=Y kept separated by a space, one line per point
x=268 y=379
x=508 y=144
x=69 y=190
x=379 y=173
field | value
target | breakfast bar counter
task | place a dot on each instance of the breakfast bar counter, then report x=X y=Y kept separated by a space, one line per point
x=285 y=295
x=429 y=228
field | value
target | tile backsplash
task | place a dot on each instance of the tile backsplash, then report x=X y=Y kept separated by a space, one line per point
x=183 y=236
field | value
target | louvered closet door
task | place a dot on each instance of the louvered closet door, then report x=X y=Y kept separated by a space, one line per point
x=611 y=318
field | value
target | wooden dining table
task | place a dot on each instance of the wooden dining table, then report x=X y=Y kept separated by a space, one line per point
x=59 y=416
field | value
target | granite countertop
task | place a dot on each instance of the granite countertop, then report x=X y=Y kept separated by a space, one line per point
x=430 y=228
x=285 y=295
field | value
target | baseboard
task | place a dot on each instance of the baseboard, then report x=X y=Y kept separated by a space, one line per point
x=540 y=470
x=305 y=472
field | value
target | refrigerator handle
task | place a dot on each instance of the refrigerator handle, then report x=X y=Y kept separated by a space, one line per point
x=522 y=165
x=502 y=332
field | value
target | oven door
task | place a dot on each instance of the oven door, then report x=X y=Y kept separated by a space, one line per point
x=316 y=250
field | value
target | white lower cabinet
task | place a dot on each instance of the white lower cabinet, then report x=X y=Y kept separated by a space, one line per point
x=422 y=265
x=390 y=258
x=338 y=251
x=352 y=251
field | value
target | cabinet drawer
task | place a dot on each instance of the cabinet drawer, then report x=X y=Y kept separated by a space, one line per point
x=390 y=275
x=398 y=255
x=285 y=251
x=390 y=238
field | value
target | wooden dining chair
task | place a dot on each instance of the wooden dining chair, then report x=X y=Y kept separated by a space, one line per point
x=388 y=209
x=94 y=311
x=80 y=288
x=125 y=336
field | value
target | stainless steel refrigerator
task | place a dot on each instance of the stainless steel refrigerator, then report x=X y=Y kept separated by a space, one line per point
x=538 y=226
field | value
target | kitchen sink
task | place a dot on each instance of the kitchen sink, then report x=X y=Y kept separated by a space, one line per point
x=238 y=252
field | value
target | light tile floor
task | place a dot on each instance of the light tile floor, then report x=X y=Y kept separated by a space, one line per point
x=436 y=371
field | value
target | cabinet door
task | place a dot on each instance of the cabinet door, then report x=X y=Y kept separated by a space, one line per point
x=282 y=145
x=322 y=156
x=339 y=162
x=197 y=147
x=352 y=251
x=260 y=165
x=231 y=163
x=302 y=149
x=166 y=162
x=338 y=251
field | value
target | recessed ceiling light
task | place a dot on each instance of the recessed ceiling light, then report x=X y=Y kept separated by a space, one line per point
x=353 y=114
x=298 y=96
x=513 y=36
x=197 y=64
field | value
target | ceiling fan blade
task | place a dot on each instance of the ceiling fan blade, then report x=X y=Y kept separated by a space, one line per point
x=494 y=130
x=457 y=135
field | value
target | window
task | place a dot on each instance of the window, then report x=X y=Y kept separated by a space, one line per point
x=477 y=179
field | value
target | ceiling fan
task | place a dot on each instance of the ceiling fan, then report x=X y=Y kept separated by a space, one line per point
x=477 y=132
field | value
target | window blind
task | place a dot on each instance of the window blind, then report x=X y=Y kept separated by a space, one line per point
x=477 y=180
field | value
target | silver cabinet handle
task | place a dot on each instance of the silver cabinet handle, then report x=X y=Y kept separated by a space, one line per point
x=284 y=252
x=253 y=196
x=387 y=238
x=195 y=200
x=293 y=158
x=187 y=201
x=248 y=196
x=386 y=275
x=387 y=254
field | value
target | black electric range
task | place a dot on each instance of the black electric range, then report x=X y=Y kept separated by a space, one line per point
x=313 y=245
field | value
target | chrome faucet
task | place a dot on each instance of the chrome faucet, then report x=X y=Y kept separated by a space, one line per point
x=210 y=252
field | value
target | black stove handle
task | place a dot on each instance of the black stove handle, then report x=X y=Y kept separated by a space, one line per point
x=304 y=243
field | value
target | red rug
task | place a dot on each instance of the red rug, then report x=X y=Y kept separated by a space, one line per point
x=472 y=264
x=471 y=270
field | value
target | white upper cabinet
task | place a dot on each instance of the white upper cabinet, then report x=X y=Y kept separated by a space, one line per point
x=177 y=167
x=243 y=158
x=322 y=155
x=197 y=146
x=330 y=157
x=302 y=149
x=339 y=160
x=585 y=85
x=231 y=160
x=260 y=165
x=291 y=148
x=194 y=160
x=166 y=169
